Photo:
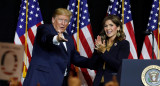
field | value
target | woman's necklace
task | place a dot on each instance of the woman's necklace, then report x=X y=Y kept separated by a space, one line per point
x=108 y=47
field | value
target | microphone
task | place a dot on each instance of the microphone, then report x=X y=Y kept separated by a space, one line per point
x=148 y=32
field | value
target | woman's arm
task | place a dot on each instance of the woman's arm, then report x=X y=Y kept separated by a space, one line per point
x=114 y=58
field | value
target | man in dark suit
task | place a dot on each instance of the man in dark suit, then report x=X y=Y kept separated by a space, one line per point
x=53 y=52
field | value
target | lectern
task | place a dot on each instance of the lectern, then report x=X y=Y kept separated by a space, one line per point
x=132 y=69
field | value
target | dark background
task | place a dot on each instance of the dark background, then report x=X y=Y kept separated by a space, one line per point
x=9 y=12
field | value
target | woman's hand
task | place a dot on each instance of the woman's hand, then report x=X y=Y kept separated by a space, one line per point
x=99 y=45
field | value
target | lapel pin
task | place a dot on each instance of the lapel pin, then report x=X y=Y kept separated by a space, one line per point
x=115 y=44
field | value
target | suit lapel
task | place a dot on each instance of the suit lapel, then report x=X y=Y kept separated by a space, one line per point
x=61 y=43
x=62 y=46
x=67 y=44
x=113 y=46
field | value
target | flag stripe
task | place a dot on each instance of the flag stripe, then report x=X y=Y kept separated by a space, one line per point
x=155 y=32
x=87 y=77
x=130 y=56
x=116 y=9
x=90 y=30
x=144 y=53
x=31 y=36
x=34 y=20
x=132 y=45
x=131 y=33
x=84 y=70
x=89 y=37
x=85 y=44
x=29 y=46
x=148 y=43
x=83 y=80
x=26 y=61
x=28 y=54
x=153 y=29
x=149 y=46
x=92 y=73
x=82 y=52
x=17 y=40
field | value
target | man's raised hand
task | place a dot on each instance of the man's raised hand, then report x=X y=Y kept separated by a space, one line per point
x=60 y=37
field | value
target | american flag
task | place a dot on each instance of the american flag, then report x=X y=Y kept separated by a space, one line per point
x=116 y=9
x=33 y=21
x=146 y=52
x=85 y=38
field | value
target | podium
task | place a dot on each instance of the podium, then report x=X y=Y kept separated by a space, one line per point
x=132 y=71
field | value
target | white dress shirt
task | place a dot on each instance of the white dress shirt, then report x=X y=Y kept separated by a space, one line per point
x=55 y=41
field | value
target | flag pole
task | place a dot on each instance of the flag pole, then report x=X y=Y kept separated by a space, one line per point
x=25 y=55
x=158 y=29
x=77 y=70
x=123 y=14
x=78 y=26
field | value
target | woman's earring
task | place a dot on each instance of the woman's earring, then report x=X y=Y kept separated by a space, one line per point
x=118 y=33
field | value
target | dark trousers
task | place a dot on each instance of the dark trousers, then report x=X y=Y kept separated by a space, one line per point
x=4 y=83
x=101 y=84
x=65 y=81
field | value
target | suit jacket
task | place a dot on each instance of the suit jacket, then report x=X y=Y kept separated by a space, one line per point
x=49 y=61
x=113 y=60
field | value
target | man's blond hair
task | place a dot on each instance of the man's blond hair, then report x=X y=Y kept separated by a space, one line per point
x=62 y=11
